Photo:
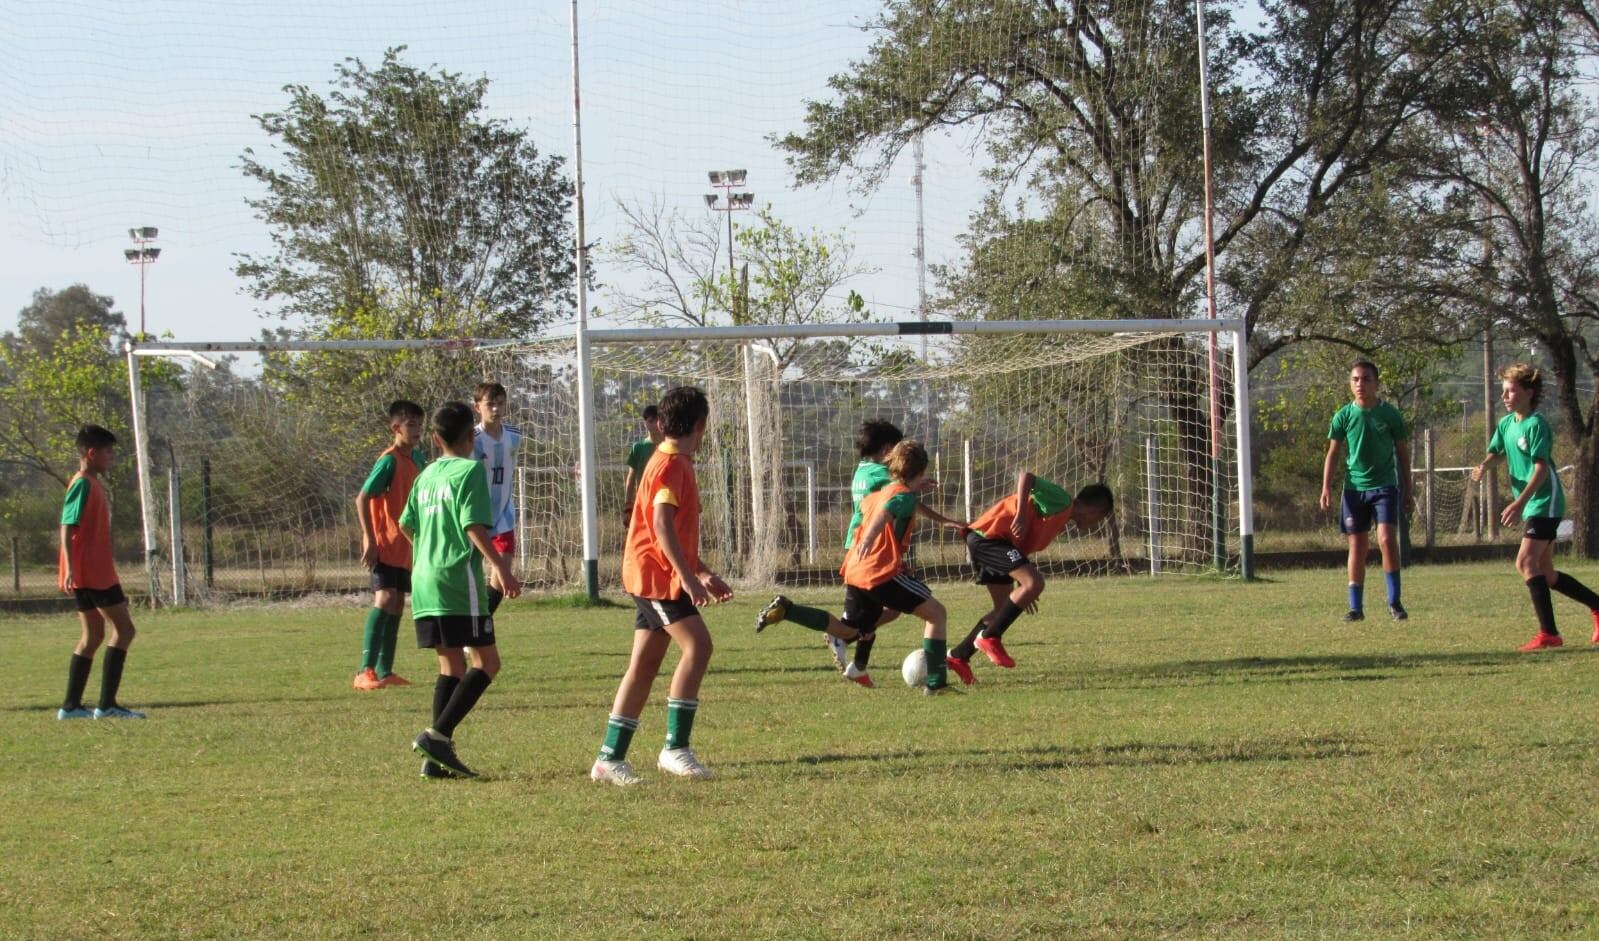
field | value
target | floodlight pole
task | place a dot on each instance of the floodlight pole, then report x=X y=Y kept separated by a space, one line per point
x=726 y=181
x=143 y=254
x=585 y=381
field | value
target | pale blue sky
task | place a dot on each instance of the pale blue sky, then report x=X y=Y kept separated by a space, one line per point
x=122 y=114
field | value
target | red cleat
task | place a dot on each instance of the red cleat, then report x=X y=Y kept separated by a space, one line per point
x=366 y=679
x=855 y=674
x=1541 y=640
x=1596 y=627
x=995 y=651
x=393 y=679
x=962 y=669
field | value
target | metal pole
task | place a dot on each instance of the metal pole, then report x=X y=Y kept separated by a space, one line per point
x=930 y=420
x=205 y=518
x=521 y=520
x=1490 y=487
x=966 y=477
x=810 y=509
x=1151 y=505
x=1427 y=482
x=585 y=378
x=180 y=595
x=1246 y=479
x=141 y=453
x=1218 y=541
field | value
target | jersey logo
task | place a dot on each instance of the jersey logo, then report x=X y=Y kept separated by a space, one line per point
x=1521 y=442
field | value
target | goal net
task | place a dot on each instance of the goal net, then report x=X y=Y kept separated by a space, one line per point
x=267 y=466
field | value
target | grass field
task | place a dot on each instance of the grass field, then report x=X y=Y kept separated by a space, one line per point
x=1179 y=759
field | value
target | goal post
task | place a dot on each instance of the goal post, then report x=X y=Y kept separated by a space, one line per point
x=1119 y=401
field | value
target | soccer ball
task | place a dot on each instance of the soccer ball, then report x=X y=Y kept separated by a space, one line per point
x=914 y=669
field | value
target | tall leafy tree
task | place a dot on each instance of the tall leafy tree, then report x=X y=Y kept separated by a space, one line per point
x=394 y=202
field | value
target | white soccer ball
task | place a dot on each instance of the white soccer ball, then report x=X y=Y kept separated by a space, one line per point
x=914 y=669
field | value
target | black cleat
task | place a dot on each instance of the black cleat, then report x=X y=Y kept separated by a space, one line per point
x=776 y=610
x=436 y=772
x=1397 y=612
x=441 y=751
x=1353 y=615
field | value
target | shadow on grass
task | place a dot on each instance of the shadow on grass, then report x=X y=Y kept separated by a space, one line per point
x=1060 y=757
x=1339 y=663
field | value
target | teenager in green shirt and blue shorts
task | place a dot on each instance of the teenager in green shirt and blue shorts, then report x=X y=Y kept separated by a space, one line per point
x=1376 y=483
x=1524 y=440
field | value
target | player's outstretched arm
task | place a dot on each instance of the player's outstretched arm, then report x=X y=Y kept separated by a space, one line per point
x=478 y=535
x=959 y=526
x=1482 y=468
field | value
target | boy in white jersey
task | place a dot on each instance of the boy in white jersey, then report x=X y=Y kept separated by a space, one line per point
x=495 y=444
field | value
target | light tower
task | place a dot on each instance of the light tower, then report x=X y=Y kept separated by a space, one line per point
x=143 y=254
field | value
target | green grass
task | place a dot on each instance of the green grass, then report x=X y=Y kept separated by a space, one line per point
x=1175 y=759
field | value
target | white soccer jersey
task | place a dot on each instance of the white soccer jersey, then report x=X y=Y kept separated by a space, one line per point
x=499 y=460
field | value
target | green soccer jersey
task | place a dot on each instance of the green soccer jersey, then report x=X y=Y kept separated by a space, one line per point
x=1370 y=435
x=447 y=570
x=639 y=455
x=1524 y=442
x=870 y=477
x=1048 y=497
x=377 y=482
x=901 y=510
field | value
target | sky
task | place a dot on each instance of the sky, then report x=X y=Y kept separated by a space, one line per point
x=115 y=115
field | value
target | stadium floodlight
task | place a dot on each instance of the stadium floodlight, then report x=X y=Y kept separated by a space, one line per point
x=144 y=255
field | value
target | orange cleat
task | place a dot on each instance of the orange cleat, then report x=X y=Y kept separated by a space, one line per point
x=995 y=650
x=962 y=669
x=366 y=679
x=1596 y=627
x=1541 y=641
x=393 y=679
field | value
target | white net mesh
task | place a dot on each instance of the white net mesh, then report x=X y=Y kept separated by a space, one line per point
x=268 y=469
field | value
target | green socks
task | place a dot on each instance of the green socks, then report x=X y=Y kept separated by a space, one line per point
x=937 y=670
x=618 y=735
x=372 y=640
x=390 y=639
x=680 y=721
x=814 y=618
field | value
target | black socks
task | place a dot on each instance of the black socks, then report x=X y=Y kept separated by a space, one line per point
x=77 y=679
x=443 y=689
x=111 y=675
x=462 y=699
x=1542 y=604
x=1576 y=591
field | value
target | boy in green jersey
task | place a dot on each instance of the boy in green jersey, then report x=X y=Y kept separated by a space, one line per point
x=447 y=518
x=1524 y=440
x=874 y=440
x=638 y=457
x=1377 y=483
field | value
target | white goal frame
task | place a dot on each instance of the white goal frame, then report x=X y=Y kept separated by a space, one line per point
x=1234 y=329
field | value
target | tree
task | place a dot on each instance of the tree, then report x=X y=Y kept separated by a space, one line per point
x=61 y=369
x=394 y=203
x=1512 y=161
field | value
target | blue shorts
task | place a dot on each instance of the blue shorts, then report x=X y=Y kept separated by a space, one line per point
x=1359 y=506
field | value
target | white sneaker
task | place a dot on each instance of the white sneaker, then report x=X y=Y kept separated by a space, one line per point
x=838 y=649
x=683 y=763
x=619 y=773
x=855 y=673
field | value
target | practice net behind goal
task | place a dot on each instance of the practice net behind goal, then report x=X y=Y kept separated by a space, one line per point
x=267 y=466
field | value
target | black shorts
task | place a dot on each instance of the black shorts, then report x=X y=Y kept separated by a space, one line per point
x=89 y=599
x=455 y=630
x=863 y=606
x=994 y=559
x=385 y=576
x=1542 y=528
x=655 y=614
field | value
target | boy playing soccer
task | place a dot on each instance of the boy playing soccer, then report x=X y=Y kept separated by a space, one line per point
x=1523 y=438
x=1377 y=483
x=661 y=569
x=999 y=545
x=88 y=573
x=873 y=441
x=638 y=457
x=384 y=551
x=495 y=444
x=447 y=520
